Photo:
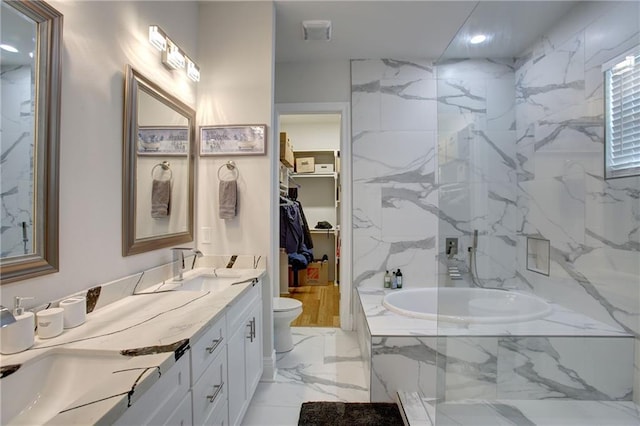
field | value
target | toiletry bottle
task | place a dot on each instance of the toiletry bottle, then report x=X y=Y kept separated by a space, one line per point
x=399 y=278
x=387 y=279
x=394 y=281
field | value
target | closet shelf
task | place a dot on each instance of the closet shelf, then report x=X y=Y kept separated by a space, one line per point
x=322 y=231
x=316 y=175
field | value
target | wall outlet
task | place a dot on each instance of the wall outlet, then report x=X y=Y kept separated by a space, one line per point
x=206 y=235
x=451 y=246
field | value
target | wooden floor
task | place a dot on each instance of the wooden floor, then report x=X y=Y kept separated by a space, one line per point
x=320 y=305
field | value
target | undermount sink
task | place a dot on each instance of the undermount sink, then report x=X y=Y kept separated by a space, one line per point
x=227 y=273
x=205 y=282
x=44 y=386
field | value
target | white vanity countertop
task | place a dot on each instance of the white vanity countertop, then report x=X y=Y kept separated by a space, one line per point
x=561 y=322
x=149 y=331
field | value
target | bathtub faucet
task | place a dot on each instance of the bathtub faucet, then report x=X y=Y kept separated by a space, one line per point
x=178 y=260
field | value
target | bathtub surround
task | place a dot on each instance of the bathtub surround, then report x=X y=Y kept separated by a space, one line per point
x=549 y=358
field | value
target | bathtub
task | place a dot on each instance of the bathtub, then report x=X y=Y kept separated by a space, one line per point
x=466 y=305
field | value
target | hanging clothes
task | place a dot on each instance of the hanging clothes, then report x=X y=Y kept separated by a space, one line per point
x=305 y=227
x=293 y=196
x=291 y=232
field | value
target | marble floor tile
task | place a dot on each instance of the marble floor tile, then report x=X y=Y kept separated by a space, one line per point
x=324 y=365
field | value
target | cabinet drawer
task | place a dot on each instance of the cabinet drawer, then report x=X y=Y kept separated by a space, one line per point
x=210 y=390
x=207 y=347
x=240 y=307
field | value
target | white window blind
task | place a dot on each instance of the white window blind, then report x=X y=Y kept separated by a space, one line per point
x=622 y=116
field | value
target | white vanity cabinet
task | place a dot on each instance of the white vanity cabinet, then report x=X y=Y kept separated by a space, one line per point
x=244 y=351
x=212 y=383
x=167 y=402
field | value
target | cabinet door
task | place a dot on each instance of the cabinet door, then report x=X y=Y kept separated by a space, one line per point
x=161 y=399
x=253 y=352
x=182 y=415
x=236 y=373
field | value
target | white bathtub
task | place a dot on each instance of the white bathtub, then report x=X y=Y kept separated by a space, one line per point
x=466 y=305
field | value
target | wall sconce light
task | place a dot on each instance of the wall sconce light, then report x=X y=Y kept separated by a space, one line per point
x=193 y=71
x=157 y=38
x=172 y=56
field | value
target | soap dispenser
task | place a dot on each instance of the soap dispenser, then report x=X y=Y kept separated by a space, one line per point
x=19 y=336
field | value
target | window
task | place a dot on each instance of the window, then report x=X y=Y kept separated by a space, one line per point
x=622 y=115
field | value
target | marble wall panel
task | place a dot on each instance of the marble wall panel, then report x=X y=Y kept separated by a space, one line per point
x=592 y=223
x=551 y=82
x=611 y=34
x=471 y=365
x=394 y=162
x=576 y=368
x=407 y=363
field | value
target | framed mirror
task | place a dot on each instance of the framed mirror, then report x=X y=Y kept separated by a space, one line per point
x=158 y=167
x=30 y=67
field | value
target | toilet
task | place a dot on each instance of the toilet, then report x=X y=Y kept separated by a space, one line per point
x=285 y=310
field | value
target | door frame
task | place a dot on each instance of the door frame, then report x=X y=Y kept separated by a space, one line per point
x=342 y=108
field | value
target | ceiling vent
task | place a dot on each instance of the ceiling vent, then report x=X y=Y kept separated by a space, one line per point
x=316 y=30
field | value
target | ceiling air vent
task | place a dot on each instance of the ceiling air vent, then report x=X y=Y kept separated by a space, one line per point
x=316 y=30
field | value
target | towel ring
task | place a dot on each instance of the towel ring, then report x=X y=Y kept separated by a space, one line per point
x=165 y=166
x=231 y=166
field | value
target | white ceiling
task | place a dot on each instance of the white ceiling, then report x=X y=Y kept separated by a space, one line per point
x=412 y=29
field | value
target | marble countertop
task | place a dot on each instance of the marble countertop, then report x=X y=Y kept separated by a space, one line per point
x=561 y=322
x=149 y=331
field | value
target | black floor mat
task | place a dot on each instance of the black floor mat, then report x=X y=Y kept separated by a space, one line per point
x=349 y=413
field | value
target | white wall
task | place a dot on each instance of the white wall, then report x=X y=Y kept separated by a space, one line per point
x=99 y=39
x=313 y=135
x=327 y=81
x=236 y=87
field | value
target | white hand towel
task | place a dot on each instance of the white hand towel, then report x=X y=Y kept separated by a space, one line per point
x=228 y=199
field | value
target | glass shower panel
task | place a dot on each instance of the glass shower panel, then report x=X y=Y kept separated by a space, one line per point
x=519 y=156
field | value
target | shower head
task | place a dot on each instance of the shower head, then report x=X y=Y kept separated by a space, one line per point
x=475 y=239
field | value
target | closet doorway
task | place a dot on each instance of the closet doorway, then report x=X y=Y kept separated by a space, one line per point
x=311 y=181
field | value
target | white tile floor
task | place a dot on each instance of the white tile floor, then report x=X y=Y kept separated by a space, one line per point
x=324 y=365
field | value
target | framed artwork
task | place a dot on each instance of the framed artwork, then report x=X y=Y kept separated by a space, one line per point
x=163 y=140
x=245 y=139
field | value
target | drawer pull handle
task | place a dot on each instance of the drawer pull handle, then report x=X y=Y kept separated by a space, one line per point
x=218 y=389
x=252 y=329
x=214 y=345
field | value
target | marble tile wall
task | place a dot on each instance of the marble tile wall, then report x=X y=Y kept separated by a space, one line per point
x=561 y=193
x=395 y=199
x=477 y=165
x=17 y=147
x=592 y=223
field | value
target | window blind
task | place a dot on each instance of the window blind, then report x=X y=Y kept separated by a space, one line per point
x=622 y=116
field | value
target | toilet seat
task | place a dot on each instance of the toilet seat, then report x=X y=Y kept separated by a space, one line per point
x=283 y=304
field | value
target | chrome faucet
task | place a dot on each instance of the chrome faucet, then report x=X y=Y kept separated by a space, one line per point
x=178 y=260
x=6 y=317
